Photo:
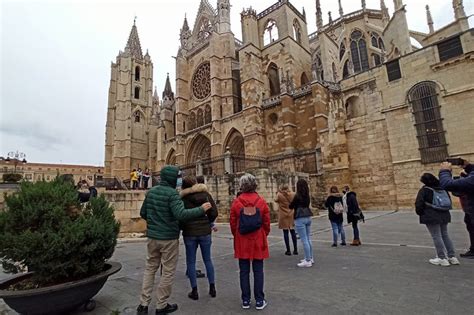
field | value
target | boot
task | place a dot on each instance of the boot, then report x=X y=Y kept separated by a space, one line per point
x=212 y=290
x=359 y=242
x=355 y=242
x=193 y=295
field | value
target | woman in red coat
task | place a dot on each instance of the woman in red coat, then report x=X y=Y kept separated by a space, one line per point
x=250 y=248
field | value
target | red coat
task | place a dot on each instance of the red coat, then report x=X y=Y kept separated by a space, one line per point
x=253 y=245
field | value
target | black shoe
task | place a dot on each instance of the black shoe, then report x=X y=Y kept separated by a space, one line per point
x=199 y=274
x=343 y=244
x=288 y=253
x=212 y=290
x=142 y=310
x=193 y=295
x=295 y=252
x=170 y=308
x=468 y=254
x=334 y=245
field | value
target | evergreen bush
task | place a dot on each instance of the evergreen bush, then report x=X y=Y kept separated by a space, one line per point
x=45 y=229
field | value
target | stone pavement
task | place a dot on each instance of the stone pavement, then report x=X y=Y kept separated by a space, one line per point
x=389 y=274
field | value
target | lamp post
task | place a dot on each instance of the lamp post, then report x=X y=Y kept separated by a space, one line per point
x=16 y=158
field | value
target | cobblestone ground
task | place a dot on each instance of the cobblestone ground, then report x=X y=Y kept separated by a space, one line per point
x=389 y=274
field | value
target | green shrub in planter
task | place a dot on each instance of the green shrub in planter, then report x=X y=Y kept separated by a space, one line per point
x=45 y=229
x=12 y=177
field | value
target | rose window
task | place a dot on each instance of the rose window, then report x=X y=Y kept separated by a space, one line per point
x=201 y=82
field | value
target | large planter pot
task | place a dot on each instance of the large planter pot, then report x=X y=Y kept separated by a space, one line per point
x=56 y=299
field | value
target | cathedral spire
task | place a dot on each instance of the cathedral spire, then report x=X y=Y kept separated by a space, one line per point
x=133 y=44
x=458 y=7
x=429 y=19
x=319 y=15
x=155 y=95
x=330 y=17
x=341 y=11
x=223 y=13
x=168 y=92
x=384 y=9
x=364 y=5
x=185 y=26
x=397 y=4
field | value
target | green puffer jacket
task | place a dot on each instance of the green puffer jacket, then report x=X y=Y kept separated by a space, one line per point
x=163 y=207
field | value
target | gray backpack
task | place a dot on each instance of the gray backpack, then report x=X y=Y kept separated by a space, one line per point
x=441 y=200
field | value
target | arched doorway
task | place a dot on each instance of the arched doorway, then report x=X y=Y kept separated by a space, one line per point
x=200 y=147
x=171 y=158
x=236 y=145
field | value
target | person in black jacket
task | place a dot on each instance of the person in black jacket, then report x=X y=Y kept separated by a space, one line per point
x=436 y=221
x=197 y=232
x=354 y=213
x=464 y=188
x=334 y=203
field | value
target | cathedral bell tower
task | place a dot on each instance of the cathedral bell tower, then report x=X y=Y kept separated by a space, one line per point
x=129 y=110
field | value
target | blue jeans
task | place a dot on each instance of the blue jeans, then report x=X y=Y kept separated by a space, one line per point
x=257 y=266
x=191 y=243
x=303 y=227
x=338 y=228
x=356 y=230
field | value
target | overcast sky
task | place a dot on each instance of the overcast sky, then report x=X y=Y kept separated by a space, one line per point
x=56 y=55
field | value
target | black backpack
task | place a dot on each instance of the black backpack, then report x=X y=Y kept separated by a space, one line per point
x=250 y=219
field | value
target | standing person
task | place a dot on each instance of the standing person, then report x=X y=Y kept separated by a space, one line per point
x=464 y=187
x=335 y=208
x=286 y=221
x=302 y=214
x=134 y=179
x=354 y=214
x=162 y=209
x=436 y=219
x=140 y=178
x=197 y=233
x=146 y=178
x=250 y=226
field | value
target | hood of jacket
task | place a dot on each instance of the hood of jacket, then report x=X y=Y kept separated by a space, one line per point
x=169 y=176
x=194 y=189
x=350 y=193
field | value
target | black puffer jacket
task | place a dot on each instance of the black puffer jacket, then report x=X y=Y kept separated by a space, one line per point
x=427 y=214
x=193 y=197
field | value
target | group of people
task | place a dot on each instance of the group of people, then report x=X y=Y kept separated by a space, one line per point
x=139 y=179
x=194 y=211
x=294 y=216
x=433 y=204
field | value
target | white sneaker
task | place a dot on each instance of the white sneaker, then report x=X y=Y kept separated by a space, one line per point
x=261 y=305
x=439 y=262
x=306 y=264
x=453 y=261
x=312 y=260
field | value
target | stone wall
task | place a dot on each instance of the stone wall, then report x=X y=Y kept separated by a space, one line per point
x=127 y=206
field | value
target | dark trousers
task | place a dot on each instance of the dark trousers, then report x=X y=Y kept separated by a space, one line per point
x=287 y=239
x=356 y=229
x=469 y=220
x=257 y=267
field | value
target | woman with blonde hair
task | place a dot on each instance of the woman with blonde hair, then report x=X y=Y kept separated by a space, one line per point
x=285 y=217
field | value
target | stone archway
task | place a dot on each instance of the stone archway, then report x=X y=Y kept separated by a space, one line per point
x=235 y=143
x=171 y=158
x=200 y=147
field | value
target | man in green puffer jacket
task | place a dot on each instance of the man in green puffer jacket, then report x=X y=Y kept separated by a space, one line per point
x=162 y=210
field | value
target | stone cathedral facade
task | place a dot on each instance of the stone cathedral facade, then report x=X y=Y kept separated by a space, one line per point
x=363 y=101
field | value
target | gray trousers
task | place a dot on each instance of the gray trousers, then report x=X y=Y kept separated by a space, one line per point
x=442 y=242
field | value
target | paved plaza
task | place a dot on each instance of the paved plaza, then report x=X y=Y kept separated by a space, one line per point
x=389 y=274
